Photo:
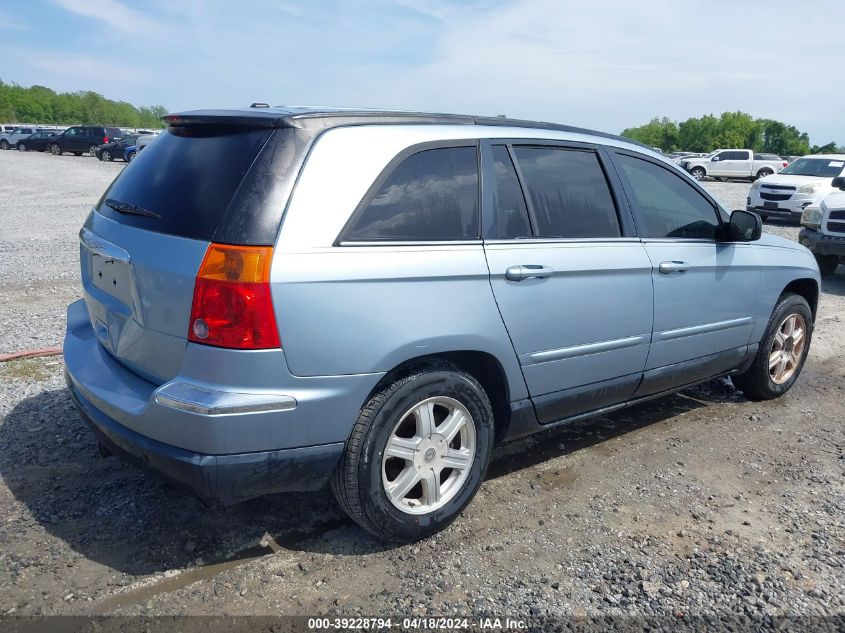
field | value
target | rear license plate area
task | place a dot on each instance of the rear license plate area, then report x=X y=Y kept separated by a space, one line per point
x=770 y=205
x=111 y=276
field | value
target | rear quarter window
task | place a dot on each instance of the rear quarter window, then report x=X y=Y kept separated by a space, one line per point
x=431 y=195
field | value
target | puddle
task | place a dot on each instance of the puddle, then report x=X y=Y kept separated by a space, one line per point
x=286 y=542
x=561 y=478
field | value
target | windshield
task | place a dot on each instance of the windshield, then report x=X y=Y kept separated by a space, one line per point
x=821 y=167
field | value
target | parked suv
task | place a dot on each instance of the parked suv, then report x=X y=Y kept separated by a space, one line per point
x=9 y=139
x=801 y=184
x=81 y=139
x=421 y=288
x=823 y=229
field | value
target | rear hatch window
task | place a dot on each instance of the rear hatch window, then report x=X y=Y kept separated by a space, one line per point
x=183 y=183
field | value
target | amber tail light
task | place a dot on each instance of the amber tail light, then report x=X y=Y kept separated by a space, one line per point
x=232 y=304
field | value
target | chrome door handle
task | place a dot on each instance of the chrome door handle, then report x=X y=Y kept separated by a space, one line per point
x=668 y=268
x=527 y=271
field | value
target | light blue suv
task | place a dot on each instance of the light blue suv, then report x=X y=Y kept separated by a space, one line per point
x=280 y=298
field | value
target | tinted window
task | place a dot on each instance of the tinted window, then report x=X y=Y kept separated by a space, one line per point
x=188 y=177
x=511 y=213
x=569 y=193
x=733 y=156
x=766 y=157
x=668 y=205
x=431 y=195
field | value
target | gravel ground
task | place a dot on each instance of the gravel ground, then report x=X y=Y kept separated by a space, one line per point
x=699 y=505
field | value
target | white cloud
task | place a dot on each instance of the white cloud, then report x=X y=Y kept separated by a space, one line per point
x=112 y=12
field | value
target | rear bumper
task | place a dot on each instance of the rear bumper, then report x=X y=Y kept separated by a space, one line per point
x=822 y=244
x=231 y=425
x=216 y=479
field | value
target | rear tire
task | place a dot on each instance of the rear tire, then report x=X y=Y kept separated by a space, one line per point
x=764 y=172
x=21 y=147
x=827 y=264
x=782 y=352
x=92 y=150
x=368 y=480
x=698 y=173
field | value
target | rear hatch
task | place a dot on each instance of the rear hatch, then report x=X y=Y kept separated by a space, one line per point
x=145 y=239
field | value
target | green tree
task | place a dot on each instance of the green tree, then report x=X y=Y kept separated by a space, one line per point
x=38 y=104
x=830 y=148
x=659 y=132
x=729 y=130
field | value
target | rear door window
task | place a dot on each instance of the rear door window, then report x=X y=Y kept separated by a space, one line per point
x=430 y=196
x=187 y=178
x=511 y=211
x=569 y=194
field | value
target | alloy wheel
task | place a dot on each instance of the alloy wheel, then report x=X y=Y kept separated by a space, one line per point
x=428 y=455
x=787 y=348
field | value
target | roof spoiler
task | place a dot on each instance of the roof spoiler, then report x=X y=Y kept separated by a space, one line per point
x=259 y=116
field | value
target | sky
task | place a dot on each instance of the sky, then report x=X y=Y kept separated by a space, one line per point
x=603 y=64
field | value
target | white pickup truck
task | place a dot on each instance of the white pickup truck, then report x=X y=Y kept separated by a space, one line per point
x=733 y=163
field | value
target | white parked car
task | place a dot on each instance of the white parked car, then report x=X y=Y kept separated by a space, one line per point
x=734 y=163
x=803 y=183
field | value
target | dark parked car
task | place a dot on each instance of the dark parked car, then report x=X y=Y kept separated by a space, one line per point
x=115 y=148
x=38 y=142
x=83 y=138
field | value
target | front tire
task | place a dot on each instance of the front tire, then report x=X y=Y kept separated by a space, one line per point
x=130 y=156
x=698 y=173
x=21 y=147
x=827 y=264
x=4 y=144
x=106 y=156
x=417 y=454
x=782 y=351
x=55 y=149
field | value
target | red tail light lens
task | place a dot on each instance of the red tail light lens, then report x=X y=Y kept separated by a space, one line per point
x=232 y=303
x=105 y=139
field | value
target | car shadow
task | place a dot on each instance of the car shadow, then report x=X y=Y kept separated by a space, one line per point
x=121 y=517
x=835 y=284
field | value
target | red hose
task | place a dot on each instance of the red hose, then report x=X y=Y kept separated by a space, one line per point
x=31 y=353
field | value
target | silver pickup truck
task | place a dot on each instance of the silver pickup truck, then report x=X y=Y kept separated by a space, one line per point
x=734 y=163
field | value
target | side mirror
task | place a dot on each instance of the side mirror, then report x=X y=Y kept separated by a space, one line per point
x=838 y=183
x=744 y=226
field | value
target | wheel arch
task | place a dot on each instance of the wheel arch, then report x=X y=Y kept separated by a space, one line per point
x=483 y=366
x=807 y=288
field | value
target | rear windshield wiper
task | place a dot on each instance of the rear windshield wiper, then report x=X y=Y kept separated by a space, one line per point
x=125 y=207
